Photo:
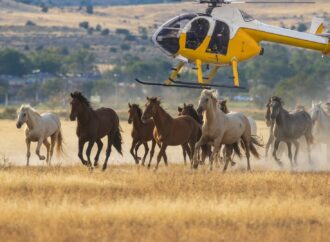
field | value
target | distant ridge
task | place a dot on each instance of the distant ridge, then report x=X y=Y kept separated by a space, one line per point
x=63 y=3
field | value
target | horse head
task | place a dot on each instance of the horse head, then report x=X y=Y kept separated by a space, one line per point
x=207 y=100
x=223 y=106
x=275 y=106
x=316 y=112
x=134 y=111
x=78 y=104
x=22 y=116
x=150 y=108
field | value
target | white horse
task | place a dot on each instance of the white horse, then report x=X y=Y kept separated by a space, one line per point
x=223 y=129
x=39 y=128
x=321 y=126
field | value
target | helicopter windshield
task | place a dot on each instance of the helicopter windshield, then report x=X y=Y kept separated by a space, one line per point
x=167 y=36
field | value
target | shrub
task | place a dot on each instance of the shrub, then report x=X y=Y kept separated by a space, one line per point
x=84 y=25
x=30 y=23
x=8 y=113
x=105 y=32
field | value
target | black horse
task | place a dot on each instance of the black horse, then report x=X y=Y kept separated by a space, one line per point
x=289 y=127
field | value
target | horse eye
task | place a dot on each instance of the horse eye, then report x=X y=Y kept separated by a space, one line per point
x=206 y=99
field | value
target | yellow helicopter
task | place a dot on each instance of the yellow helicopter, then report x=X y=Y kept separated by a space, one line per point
x=225 y=36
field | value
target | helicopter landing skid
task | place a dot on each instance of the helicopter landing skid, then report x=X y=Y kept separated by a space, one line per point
x=191 y=85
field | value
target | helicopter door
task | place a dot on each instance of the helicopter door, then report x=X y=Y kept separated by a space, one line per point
x=197 y=33
x=220 y=39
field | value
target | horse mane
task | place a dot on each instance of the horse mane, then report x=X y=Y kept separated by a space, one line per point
x=138 y=109
x=223 y=106
x=213 y=93
x=29 y=108
x=277 y=99
x=81 y=98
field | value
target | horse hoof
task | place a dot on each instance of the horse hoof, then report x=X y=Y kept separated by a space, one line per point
x=42 y=157
x=233 y=163
x=96 y=165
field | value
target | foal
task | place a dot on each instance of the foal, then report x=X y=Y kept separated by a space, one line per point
x=142 y=133
x=170 y=131
x=92 y=126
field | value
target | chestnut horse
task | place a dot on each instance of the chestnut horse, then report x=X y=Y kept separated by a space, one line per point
x=92 y=126
x=142 y=133
x=171 y=131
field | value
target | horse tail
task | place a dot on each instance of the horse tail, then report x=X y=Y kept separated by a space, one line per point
x=237 y=150
x=309 y=135
x=118 y=140
x=255 y=142
x=59 y=143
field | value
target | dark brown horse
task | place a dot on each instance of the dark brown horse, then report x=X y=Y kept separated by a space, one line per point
x=92 y=126
x=142 y=133
x=170 y=131
x=191 y=111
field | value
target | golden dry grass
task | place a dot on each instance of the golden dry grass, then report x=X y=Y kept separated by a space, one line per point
x=127 y=203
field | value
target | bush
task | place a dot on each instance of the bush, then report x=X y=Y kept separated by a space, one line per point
x=113 y=50
x=90 y=9
x=302 y=27
x=30 y=23
x=8 y=113
x=105 y=32
x=44 y=9
x=84 y=25
x=98 y=27
x=122 y=31
x=125 y=47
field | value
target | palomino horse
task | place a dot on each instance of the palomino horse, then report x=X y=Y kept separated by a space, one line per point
x=223 y=129
x=289 y=127
x=321 y=126
x=253 y=123
x=170 y=131
x=92 y=126
x=39 y=128
x=142 y=133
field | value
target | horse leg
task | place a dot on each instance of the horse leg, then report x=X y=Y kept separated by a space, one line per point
x=134 y=142
x=40 y=141
x=99 y=149
x=108 y=152
x=217 y=148
x=152 y=152
x=28 y=153
x=88 y=152
x=47 y=145
x=276 y=144
x=184 y=155
x=269 y=142
x=246 y=143
x=186 y=150
x=297 y=145
x=161 y=154
x=146 y=151
x=81 y=144
x=290 y=153
x=136 y=151
x=227 y=158
x=202 y=141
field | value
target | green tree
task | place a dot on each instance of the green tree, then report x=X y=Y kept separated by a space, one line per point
x=13 y=62
x=48 y=60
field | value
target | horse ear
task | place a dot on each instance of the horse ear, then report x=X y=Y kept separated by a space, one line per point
x=71 y=94
x=148 y=98
x=129 y=105
x=225 y=101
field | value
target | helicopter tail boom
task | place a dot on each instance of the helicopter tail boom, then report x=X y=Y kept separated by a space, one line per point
x=290 y=37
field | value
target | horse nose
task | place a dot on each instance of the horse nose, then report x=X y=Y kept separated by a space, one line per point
x=18 y=125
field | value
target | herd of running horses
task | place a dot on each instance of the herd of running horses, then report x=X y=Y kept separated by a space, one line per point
x=201 y=132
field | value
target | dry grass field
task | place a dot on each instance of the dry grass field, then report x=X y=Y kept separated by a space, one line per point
x=66 y=202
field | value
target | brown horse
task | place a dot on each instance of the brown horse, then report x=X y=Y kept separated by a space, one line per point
x=92 y=126
x=170 y=131
x=142 y=133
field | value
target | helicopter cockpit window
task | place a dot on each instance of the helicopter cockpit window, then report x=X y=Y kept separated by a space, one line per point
x=247 y=17
x=220 y=39
x=168 y=37
x=197 y=33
